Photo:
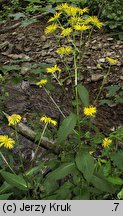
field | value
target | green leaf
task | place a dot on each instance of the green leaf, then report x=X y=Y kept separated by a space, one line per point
x=51 y=184
x=81 y=193
x=85 y=164
x=5 y=196
x=66 y=127
x=5 y=187
x=33 y=171
x=112 y=90
x=118 y=100
x=64 y=192
x=27 y=22
x=17 y=16
x=120 y=194
x=118 y=159
x=101 y=184
x=115 y=180
x=15 y=180
x=106 y=101
x=62 y=171
x=83 y=94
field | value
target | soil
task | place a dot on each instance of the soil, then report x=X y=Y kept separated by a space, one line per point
x=26 y=99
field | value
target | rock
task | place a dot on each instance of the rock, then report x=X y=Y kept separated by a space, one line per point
x=121 y=77
x=20 y=56
x=4 y=44
x=50 y=61
x=43 y=38
x=94 y=41
x=19 y=47
x=25 y=85
x=102 y=60
x=43 y=53
x=25 y=68
x=27 y=49
x=47 y=45
x=108 y=54
x=110 y=39
x=96 y=77
x=94 y=47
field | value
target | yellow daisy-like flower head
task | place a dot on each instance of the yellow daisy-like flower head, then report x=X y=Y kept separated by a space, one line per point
x=48 y=120
x=6 y=142
x=90 y=111
x=66 y=32
x=53 y=69
x=82 y=11
x=68 y=9
x=111 y=61
x=56 y=16
x=106 y=142
x=94 y=21
x=64 y=50
x=81 y=27
x=75 y=20
x=71 y=11
x=14 y=119
x=62 y=6
x=51 y=28
x=41 y=83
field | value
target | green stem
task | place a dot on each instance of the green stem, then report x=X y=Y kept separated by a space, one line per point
x=42 y=134
x=7 y=162
x=102 y=86
x=80 y=46
x=76 y=95
x=48 y=93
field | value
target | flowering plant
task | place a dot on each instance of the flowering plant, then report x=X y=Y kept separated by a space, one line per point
x=75 y=171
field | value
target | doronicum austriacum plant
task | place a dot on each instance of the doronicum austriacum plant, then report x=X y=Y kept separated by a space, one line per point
x=82 y=163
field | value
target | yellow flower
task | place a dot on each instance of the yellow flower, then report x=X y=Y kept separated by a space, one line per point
x=106 y=142
x=56 y=16
x=90 y=111
x=81 y=27
x=112 y=61
x=84 y=10
x=51 y=28
x=48 y=120
x=41 y=82
x=68 y=9
x=66 y=32
x=53 y=69
x=75 y=21
x=71 y=11
x=64 y=50
x=94 y=21
x=14 y=119
x=63 y=6
x=6 y=142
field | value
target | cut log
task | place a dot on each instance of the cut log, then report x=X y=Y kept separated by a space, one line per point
x=31 y=135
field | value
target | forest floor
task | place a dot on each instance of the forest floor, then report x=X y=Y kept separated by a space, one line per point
x=32 y=45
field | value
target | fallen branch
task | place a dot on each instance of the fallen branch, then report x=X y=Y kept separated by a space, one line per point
x=31 y=135
x=7 y=29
